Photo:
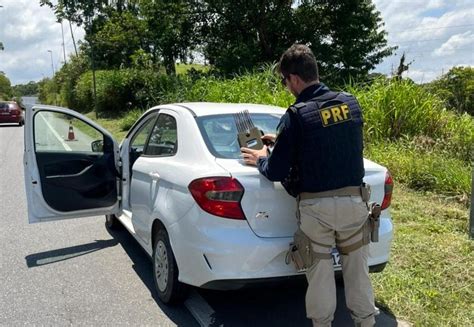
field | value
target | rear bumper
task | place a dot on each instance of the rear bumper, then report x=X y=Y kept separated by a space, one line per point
x=233 y=284
x=5 y=119
x=218 y=252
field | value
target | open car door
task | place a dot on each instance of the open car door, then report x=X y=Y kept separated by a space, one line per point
x=72 y=166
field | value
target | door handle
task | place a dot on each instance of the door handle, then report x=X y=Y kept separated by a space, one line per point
x=154 y=175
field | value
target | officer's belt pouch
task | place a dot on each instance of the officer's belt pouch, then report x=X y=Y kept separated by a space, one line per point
x=300 y=251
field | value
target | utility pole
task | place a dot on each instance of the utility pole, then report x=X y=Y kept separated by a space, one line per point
x=52 y=65
x=1 y=44
x=91 y=43
x=64 y=49
x=94 y=81
x=73 y=40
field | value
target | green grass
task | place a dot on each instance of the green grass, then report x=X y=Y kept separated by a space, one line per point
x=184 y=68
x=423 y=168
x=110 y=124
x=401 y=109
x=429 y=280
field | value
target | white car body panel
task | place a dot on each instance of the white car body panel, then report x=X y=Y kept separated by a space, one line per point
x=208 y=248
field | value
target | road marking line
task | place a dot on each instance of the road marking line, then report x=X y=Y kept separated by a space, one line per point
x=65 y=146
x=201 y=310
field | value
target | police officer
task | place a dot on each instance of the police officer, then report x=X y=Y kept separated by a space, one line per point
x=317 y=156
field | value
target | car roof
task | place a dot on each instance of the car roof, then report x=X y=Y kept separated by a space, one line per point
x=212 y=108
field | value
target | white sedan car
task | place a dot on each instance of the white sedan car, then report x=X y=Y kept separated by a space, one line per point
x=178 y=185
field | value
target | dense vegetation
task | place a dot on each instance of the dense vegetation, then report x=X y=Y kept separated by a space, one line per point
x=407 y=128
x=5 y=87
x=232 y=36
x=456 y=88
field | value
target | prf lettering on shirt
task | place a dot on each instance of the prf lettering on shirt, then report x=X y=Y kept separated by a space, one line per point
x=335 y=115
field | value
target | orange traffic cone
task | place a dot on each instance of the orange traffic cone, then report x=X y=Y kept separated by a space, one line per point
x=70 y=134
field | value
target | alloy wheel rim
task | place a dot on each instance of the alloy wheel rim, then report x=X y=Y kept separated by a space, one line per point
x=161 y=266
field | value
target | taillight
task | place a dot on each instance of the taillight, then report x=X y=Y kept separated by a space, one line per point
x=388 y=188
x=219 y=196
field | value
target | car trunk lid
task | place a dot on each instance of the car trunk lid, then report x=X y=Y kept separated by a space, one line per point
x=268 y=208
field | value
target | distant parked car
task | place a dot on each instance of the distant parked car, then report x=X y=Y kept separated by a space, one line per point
x=10 y=112
x=178 y=184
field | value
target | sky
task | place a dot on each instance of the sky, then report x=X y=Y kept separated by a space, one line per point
x=434 y=34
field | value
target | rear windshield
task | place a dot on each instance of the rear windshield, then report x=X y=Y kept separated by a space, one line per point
x=220 y=133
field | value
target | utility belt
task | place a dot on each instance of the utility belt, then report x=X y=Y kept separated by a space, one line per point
x=301 y=250
x=363 y=191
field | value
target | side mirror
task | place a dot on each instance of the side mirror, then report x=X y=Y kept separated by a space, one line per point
x=97 y=146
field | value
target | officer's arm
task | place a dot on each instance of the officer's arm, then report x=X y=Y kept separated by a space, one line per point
x=277 y=166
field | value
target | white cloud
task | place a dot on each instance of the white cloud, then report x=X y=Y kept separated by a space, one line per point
x=28 y=31
x=456 y=42
x=421 y=76
x=436 y=35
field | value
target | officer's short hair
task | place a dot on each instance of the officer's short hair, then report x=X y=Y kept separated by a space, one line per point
x=299 y=60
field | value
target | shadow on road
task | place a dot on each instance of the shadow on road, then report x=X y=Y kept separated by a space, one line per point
x=141 y=265
x=9 y=125
x=53 y=256
x=280 y=304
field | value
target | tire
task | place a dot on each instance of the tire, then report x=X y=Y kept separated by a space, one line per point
x=165 y=271
x=21 y=123
x=112 y=223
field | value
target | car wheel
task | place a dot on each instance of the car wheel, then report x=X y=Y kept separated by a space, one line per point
x=111 y=222
x=165 y=271
x=21 y=123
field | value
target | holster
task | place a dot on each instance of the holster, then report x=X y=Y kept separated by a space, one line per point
x=300 y=251
x=374 y=220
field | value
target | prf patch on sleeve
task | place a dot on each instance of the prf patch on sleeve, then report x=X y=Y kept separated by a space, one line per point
x=335 y=115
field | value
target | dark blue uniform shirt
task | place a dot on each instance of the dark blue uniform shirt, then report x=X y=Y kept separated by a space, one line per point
x=277 y=166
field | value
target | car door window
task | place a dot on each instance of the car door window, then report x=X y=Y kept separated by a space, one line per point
x=137 y=145
x=57 y=132
x=164 y=137
x=75 y=161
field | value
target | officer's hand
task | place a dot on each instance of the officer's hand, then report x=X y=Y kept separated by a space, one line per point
x=251 y=156
x=269 y=139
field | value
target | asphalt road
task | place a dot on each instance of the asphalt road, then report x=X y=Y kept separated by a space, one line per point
x=69 y=272
x=78 y=273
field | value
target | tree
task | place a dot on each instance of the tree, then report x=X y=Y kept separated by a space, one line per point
x=402 y=67
x=67 y=77
x=172 y=27
x=456 y=87
x=239 y=35
x=31 y=88
x=5 y=87
x=82 y=12
x=346 y=36
x=116 y=40
x=118 y=30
